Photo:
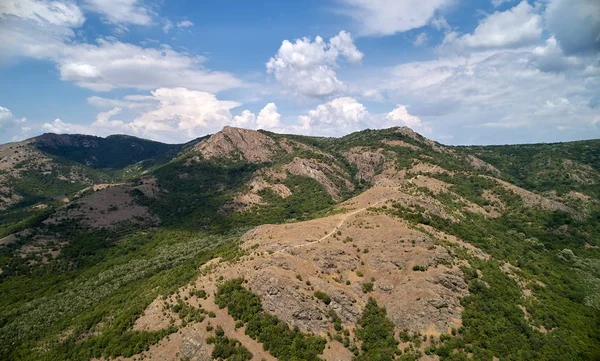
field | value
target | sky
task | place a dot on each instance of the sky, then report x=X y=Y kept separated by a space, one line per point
x=456 y=71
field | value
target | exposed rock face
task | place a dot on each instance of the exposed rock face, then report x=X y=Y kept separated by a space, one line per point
x=368 y=162
x=322 y=173
x=293 y=306
x=534 y=200
x=480 y=164
x=400 y=143
x=195 y=348
x=237 y=143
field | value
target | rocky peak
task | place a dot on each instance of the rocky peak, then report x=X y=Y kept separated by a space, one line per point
x=238 y=143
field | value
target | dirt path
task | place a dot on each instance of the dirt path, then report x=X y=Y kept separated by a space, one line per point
x=335 y=229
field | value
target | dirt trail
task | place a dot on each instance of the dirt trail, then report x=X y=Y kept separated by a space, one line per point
x=335 y=229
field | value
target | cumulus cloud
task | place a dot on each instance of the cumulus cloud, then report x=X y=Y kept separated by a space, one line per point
x=307 y=67
x=336 y=117
x=168 y=114
x=268 y=118
x=182 y=110
x=387 y=17
x=515 y=27
x=120 y=11
x=177 y=115
x=400 y=117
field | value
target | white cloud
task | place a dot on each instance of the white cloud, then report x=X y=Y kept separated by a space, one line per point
x=515 y=27
x=307 y=67
x=185 y=24
x=38 y=32
x=268 y=118
x=168 y=114
x=57 y=126
x=575 y=24
x=177 y=115
x=387 y=17
x=246 y=119
x=499 y=90
x=336 y=117
x=7 y=119
x=12 y=128
x=112 y=64
x=182 y=110
x=44 y=12
x=421 y=39
x=401 y=117
x=120 y=11
x=5 y=115
x=77 y=72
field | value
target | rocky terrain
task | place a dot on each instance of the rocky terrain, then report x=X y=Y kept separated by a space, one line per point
x=134 y=259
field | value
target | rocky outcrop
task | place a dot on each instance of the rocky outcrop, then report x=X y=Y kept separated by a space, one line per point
x=240 y=144
x=368 y=162
x=480 y=164
x=322 y=173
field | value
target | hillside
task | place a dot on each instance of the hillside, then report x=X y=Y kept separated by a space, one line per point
x=250 y=245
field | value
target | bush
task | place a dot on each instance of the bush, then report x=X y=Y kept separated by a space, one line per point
x=323 y=297
x=228 y=349
x=367 y=287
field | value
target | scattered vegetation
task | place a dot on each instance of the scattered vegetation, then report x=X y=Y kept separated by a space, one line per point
x=276 y=336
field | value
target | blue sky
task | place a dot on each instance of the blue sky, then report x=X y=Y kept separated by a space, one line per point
x=459 y=72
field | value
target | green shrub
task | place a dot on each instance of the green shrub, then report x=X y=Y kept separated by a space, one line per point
x=367 y=287
x=323 y=297
x=376 y=332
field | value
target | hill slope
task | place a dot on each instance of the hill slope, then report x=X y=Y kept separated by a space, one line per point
x=250 y=245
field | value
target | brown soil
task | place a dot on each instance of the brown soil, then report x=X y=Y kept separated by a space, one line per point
x=285 y=264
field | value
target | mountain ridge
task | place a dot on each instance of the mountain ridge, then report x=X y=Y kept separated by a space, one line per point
x=449 y=251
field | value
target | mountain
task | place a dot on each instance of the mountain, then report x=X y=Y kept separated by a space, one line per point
x=379 y=245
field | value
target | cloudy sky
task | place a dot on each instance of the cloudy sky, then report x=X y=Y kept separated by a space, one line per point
x=457 y=71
